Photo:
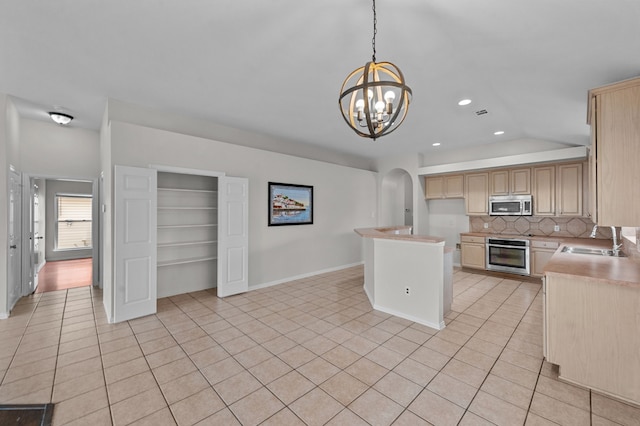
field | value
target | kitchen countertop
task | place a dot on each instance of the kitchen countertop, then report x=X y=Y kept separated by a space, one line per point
x=615 y=270
x=394 y=233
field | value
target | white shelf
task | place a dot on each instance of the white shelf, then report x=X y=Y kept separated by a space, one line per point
x=185 y=261
x=186 y=208
x=190 y=243
x=204 y=225
x=206 y=191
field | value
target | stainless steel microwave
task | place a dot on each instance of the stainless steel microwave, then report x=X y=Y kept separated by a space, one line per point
x=510 y=205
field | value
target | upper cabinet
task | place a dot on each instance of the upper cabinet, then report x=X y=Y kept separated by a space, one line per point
x=510 y=182
x=476 y=191
x=569 y=190
x=447 y=186
x=614 y=115
x=544 y=193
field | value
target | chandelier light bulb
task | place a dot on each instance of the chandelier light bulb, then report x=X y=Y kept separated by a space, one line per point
x=379 y=107
x=360 y=104
x=370 y=94
x=389 y=96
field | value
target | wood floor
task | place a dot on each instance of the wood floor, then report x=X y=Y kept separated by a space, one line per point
x=64 y=274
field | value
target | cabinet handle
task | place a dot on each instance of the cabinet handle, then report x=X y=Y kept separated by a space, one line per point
x=13 y=246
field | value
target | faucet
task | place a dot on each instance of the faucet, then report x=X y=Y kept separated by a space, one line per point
x=616 y=246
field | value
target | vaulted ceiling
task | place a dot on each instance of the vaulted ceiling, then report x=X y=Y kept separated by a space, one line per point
x=275 y=67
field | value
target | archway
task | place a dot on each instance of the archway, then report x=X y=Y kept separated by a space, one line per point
x=397 y=198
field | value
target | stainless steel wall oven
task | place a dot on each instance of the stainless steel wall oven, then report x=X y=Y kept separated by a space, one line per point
x=508 y=255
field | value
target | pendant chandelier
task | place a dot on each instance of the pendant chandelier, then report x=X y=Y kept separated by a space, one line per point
x=374 y=99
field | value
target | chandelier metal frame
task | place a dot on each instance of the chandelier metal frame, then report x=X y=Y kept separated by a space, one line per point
x=368 y=93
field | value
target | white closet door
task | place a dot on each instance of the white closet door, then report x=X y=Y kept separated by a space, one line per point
x=135 y=206
x=233 y=235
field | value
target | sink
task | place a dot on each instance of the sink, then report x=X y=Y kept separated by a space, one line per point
x=593 y=251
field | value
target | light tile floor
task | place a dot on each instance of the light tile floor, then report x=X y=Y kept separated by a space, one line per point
x=311 y=351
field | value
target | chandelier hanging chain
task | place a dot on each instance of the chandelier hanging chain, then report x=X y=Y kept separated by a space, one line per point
x=375 y=31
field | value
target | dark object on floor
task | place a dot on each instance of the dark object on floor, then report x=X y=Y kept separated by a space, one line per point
x=26 y=415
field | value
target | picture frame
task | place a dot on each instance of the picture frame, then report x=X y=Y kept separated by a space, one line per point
x=290 y=204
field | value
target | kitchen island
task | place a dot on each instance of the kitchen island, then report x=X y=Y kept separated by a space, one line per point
x=409 y=276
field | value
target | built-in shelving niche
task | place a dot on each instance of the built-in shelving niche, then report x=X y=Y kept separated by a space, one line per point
x=187 y=233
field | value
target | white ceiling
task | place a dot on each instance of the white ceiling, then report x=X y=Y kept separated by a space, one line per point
x=276 y=66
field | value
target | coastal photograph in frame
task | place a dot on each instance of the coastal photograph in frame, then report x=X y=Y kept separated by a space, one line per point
x=290 y=204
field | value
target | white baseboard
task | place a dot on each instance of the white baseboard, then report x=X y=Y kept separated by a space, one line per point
x=3 y=315
x=409 y=317
x=298 y=277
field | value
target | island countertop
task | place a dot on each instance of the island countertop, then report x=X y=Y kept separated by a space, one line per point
x=396 y=233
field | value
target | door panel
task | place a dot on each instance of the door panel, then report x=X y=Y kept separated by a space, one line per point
x=135 y=206
x=233 y=235
x=14 y=279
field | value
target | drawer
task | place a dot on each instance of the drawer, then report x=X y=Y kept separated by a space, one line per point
x=471 y=239
x=545 y=244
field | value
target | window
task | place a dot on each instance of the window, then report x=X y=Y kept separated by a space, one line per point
x=73 y=222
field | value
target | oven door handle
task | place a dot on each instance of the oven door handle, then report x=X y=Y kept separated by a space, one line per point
x=511 y=247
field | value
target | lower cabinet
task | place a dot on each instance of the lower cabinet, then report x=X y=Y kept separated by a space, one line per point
x=472 y=252
x=591 y=332
x=541 y=252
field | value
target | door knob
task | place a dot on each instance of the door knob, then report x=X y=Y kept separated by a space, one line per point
x=13 y=246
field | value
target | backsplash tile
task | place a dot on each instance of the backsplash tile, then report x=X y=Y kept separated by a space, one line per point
x=578 y=227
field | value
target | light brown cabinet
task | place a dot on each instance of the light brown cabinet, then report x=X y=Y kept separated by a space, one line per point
x=447 y=186
x=472 y=252
x=544 y=194
x=614 y=116
x=569 y=190
x=541 y=252
x=591 y=332
x=476 y=193
x=510 y=182
x=558 y=190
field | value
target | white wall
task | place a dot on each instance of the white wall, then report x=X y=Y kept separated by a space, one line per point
x=48 y=149
x=447 y=219
x=344 y=198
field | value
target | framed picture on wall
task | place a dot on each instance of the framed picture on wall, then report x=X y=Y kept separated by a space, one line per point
x=290 y=204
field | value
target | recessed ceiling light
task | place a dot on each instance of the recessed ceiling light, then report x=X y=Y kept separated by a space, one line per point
x=499 y=132
x=464 y=102
x=436 y=144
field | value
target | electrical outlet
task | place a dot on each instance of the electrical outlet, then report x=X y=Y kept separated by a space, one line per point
x=486 y=225
x=556 y=228
x=407 y=291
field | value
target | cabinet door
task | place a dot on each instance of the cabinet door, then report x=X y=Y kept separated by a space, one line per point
x=454 y=186
x=593 y=190
x=135 y=251
x=539 y=259
x=233 y=235
x=544 y=194
x=617 y=154
x=520 y=181
x=476 y=193
x=569 y=190
x=499 y=182
x=472 y=255
x=434 y=187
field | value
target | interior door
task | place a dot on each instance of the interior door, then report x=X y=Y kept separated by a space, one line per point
x=32 y=235
x=14 y=278
x=135 y=250
x=233 y=235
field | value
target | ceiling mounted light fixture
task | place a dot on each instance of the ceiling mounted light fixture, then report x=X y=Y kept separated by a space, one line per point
x=61 y=118
x=374 y=99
